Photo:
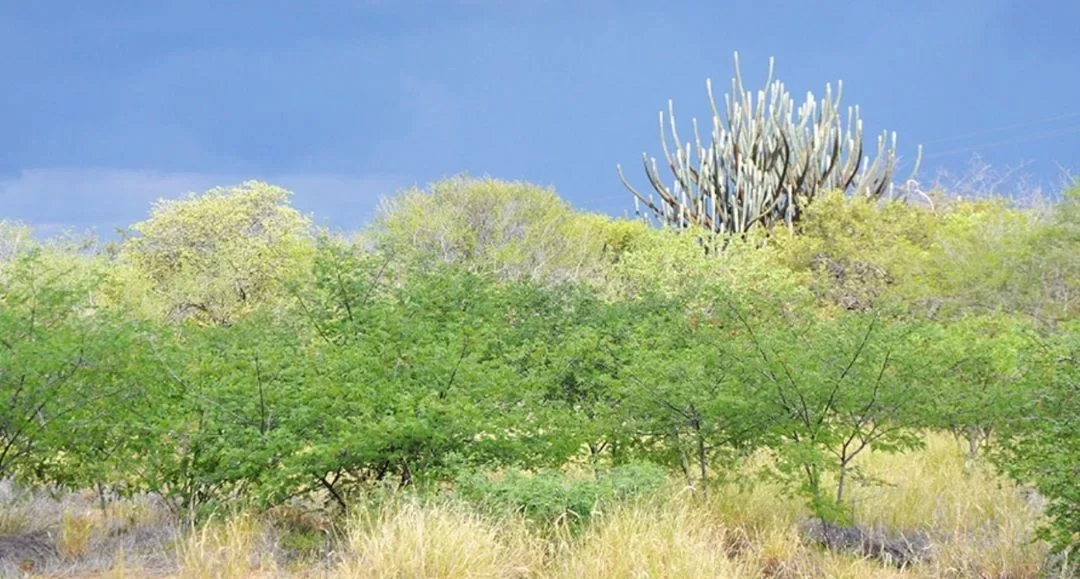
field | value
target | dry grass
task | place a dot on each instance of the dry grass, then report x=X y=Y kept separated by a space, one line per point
x=240 y=546
x=437 y=540
x=675 y=540
x=13 y=520
x=71 y=536
x=76 y=530
x=980 y=526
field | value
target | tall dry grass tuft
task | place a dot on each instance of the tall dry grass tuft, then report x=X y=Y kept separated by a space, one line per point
x=760 y=510
x=20 y=510
x=437 y=540
x=76 y=532
x=13 y=520
x=238 y=547
x=979 y=522
x=676 y=540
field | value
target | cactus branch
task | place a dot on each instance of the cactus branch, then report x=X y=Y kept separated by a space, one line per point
x=762 y=166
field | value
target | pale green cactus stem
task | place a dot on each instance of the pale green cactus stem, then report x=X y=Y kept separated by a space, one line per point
x=763 y=168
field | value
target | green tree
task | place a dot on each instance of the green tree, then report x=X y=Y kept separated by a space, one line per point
x=856 y=255
x=410 y=377
x=211 y=408
x=1041 y=445
x=217 y=256
x=684 y=398
x=981 y=262
x=1054 y=277
x=837 y=386
x=513 y=230
x=15 y=238
x=946 y=259
x=573 y=348
x=58 y=358
x=666 y=264
x=983 y=363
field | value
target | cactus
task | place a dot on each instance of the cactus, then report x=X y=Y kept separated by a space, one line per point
x=763 y=168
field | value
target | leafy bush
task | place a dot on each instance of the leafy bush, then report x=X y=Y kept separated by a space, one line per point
x=1041 y=446
x=513 y=230
x=215 y=257
x=59 y=364
x=553 y=497
x=983 y=365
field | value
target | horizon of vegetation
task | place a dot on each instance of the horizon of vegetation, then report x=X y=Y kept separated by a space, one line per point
x=784 y=365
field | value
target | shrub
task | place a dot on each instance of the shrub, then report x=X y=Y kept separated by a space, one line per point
x=1042 y=445
x=514 y=230
x=552 y=497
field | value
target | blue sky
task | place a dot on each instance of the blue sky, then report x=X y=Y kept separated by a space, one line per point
x=109 y=105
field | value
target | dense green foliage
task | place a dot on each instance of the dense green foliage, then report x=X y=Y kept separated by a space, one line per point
x=218 y=255
x=552 y=497
x=1042 y=442
x=495 y=341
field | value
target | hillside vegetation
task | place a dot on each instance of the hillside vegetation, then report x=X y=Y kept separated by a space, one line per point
x=486 y=382
x=552 y=386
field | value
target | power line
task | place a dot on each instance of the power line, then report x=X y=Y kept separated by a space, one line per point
x=1024 y=139
x=982 y=132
